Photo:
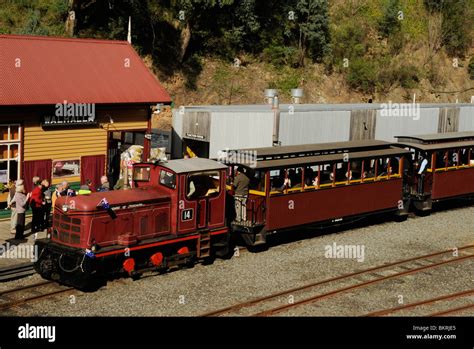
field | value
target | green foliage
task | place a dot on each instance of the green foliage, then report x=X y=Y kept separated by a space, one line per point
x=349 y=41
x=390 y=23
x=32 y=17
x=470 y=68
x=362 y=75
x=284 y=33
x=313 y=22
x=455 y=22
x=288 y=78
x=433 y=5
x=408 y=76
x=281 y=55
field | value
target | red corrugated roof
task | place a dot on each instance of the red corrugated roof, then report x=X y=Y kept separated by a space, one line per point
x=53 y=70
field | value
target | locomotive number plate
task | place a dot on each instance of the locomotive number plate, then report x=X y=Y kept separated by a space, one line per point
x=187 y=215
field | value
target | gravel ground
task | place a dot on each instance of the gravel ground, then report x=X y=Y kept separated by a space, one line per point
x=190 y=292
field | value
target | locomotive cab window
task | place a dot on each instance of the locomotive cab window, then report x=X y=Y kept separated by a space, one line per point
x=168 y=179
x=141 y=174
x=203 y=184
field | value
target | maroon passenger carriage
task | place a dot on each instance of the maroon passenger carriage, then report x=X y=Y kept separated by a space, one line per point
x=330 y=183
x=164 y=221
x=449 y=171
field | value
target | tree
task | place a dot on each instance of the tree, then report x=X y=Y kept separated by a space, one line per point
x=454 y=24
x=313 y=25
x=390 y=22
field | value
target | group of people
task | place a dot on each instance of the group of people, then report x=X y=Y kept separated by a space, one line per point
x=41 y=199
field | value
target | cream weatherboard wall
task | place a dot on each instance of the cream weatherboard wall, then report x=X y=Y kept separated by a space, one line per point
x=73 y=142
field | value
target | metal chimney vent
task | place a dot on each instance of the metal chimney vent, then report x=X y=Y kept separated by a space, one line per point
x=270 y=93
x=296 y=95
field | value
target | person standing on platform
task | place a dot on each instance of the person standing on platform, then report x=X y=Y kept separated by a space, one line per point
x=21 y=202
x=11 y=204
x=241 y=185
x=48 y=202
x=36 y=203
x=104 y=184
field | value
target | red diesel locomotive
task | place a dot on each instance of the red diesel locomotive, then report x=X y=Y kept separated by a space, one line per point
x=181 y=211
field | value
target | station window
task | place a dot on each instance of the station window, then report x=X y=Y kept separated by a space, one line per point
x=203 y=184
x=168 y=179
x=10 y=142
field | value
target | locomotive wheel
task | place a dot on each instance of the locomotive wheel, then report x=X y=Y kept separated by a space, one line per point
x=45 y=267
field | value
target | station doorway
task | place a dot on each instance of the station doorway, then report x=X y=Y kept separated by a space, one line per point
x=119 y=142
x=196 y=148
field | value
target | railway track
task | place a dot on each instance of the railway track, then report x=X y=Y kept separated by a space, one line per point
x=16 y=272
x=31 y=293
x=286 y=300
x=432 y=301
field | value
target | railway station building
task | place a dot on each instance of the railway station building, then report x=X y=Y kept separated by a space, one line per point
x=70 y=107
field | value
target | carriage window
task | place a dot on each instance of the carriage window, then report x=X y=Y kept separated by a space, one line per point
x=341 y=173
x=257 y=180
x=383 y=167
x=141 y=174
x=441 y=159
x=277 y=179
x=168 y=179
x=295 y=177
x=311 y=176
x=356 y=170
x=394 y=166
x=453 y=158
x=203 y=184
x=327 y=176
x=369 y=169
x=464 y=156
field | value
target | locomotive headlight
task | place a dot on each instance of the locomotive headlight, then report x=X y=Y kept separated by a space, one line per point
x=65 y=207
x=94 y=248
x=48 y=234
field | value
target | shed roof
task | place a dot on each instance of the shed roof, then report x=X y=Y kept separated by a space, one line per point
x=48 y=70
